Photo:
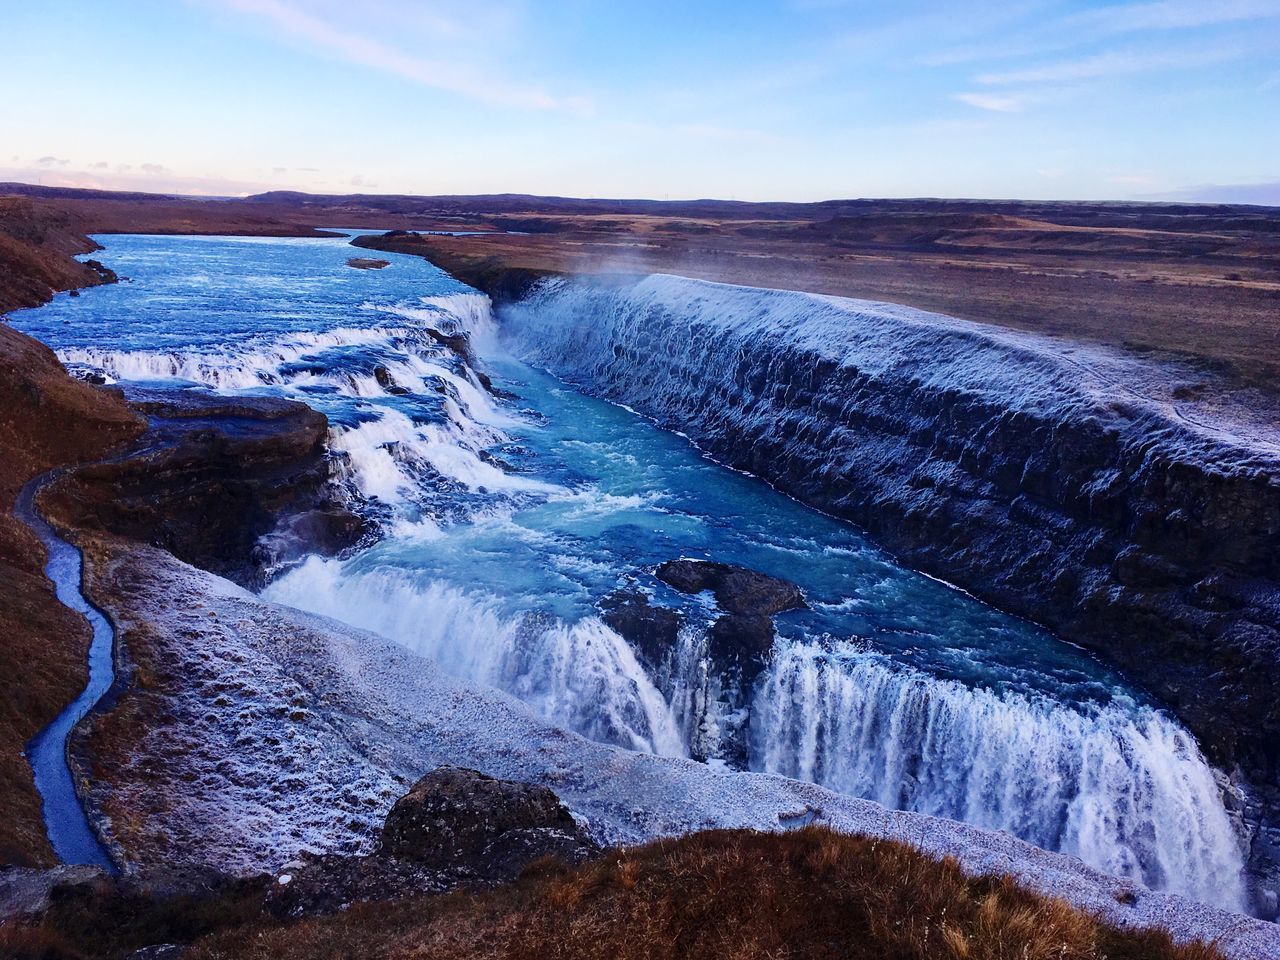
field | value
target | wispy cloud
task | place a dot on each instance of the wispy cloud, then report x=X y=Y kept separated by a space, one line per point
x=337 y=40
x=1169 y=15
x=992 y=101
x=126 y=177
x=1266 y=193
x=1108 y=64
x=706 y=131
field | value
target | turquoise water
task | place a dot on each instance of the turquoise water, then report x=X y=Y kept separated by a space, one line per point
x=506 y=520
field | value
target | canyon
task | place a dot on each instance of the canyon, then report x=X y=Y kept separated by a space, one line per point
x=1128 y=503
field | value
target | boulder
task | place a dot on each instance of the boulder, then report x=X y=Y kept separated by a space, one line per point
x=737 y=590
x=651 y=630
x=455 y=819
x=454 y=827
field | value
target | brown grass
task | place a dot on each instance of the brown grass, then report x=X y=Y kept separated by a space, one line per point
x=740 y=895
x=1172 y=300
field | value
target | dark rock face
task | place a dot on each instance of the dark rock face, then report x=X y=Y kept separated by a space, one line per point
x=742 y=637
x=461 y=819
x=737 y=590
x=652 y=630
x=233 y=485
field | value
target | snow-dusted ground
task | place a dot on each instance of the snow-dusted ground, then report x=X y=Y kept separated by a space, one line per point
x=273 y=731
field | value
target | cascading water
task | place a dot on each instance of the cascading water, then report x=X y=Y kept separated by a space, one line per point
x=1123 y=789
x=505 y=523
x=583 y=674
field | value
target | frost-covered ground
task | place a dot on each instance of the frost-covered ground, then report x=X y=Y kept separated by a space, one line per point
x=272 y=731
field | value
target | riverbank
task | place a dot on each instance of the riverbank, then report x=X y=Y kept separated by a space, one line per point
x=253 y=462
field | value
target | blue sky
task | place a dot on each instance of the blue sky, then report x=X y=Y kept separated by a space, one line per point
x=792 y=99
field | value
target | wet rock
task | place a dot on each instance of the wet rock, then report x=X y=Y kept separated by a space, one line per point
x=250 y=464
x=367 y=263
x=650 y=629
x=737 y=590
x=739 y=642
x=743 y=642
x=105 y=273
x=459 y=343
x=387 y=382
x=327 y=530
x=461 y=819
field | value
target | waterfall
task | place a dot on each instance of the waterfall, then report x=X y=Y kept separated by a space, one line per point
x=384 y=453
x=792 y=386
x=582 y=675
x=1123 y=788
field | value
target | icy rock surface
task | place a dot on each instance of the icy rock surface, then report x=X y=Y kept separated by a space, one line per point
x=281 y=732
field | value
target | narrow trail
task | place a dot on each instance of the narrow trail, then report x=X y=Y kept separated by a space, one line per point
x=66 y=822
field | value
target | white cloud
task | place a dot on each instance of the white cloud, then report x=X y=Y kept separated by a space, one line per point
x=1170 y=15
x=1113 y=63
x=992 y=101
x=335 y=39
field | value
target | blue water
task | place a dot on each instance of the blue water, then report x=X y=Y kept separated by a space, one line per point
x=640 y=495
x=505 y=521
x=70 y=835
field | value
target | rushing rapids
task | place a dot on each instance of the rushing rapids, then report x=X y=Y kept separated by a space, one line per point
x=505 y=521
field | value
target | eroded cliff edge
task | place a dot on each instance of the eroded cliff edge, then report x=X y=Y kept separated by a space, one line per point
x=1130 y=506
x=1079 y=488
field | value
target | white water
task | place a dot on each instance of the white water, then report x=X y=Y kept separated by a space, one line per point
x=583 y=675
x=1125 y=790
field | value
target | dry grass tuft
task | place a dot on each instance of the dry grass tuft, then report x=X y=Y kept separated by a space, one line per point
x=722 y=894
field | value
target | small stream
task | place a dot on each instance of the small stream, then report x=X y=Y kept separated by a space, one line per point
x=72 y=838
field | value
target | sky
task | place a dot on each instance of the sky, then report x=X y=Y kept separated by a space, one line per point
x=783 y=100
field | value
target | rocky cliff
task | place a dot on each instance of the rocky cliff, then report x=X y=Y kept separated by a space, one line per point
x=237 y=486
x=1080 y=487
